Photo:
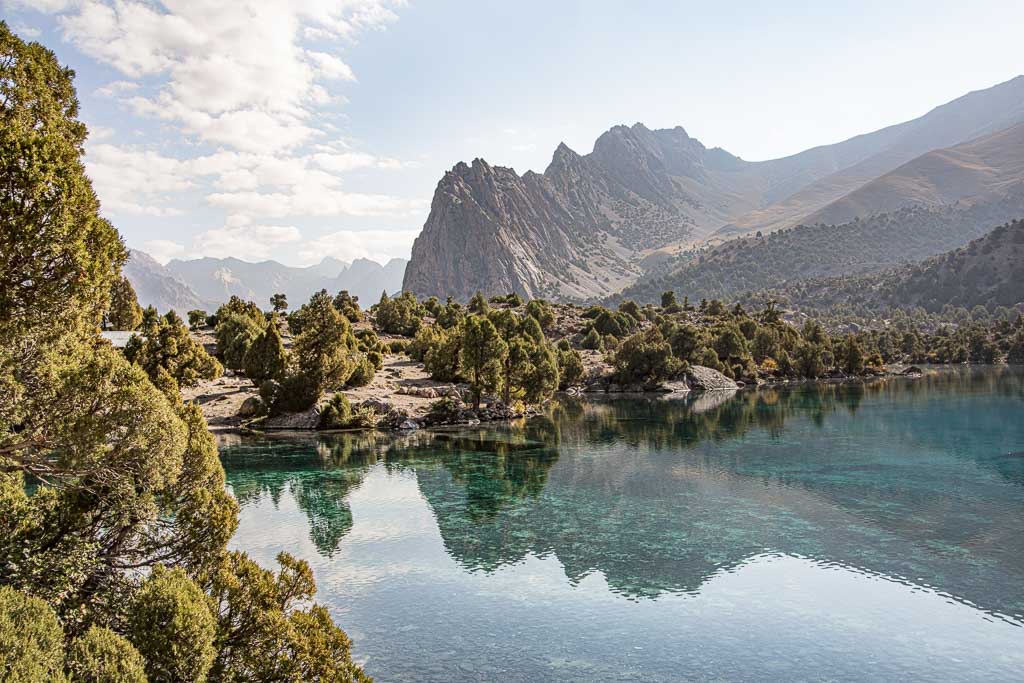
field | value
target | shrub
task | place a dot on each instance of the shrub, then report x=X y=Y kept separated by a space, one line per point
x=363 y=374
x=593 y=340
x=402 y=315
x=541 y=311
x=397 y=346
x=570 y=367
x=266 y=357
x=644 y=357
x=172 y=625
x=31 y=639
x=102 y=656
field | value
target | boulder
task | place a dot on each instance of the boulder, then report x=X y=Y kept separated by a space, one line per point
x=702 y=378
x=251 y=407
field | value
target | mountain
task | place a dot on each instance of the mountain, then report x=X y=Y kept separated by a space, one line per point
x=746 y=264
x=866 y=157
x=587 y=226
x=218 y=279
x=156 y=286
x=988 y=166
x=989 y=271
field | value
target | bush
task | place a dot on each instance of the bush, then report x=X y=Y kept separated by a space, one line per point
x=102 y=656
x=402 y=315
x=540 y=310
x=172 y=625
x=31 y=639
x=338 y=413
x=593 y=340
x=266 y=357
x=363 y=374
x=397 y=346
x=644 y=357
x=570 y=367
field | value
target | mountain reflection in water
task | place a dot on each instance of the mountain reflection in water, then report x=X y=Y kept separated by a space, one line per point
x=911 y=481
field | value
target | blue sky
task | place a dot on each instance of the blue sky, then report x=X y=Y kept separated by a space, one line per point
x=297 y=129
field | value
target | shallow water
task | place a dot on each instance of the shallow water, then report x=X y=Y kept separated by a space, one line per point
x=844 y=532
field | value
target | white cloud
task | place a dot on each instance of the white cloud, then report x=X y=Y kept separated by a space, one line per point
x=116 y=88
x=26 y=31
x=331 y=67
x=378 y=245
x=246 y=242
x=135 y=180
x=231 y=73
x=163 y=250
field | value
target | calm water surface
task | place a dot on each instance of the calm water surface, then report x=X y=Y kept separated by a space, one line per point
x=819 y=533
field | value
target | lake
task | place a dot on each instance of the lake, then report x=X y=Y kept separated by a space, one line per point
x=821 y=532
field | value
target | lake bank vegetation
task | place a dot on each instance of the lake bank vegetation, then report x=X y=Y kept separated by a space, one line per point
x=114 y=515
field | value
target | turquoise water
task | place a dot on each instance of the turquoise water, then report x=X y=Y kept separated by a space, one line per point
x=842 y=532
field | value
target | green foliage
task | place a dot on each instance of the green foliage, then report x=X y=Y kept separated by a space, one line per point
x=541 y=311
x=686 y=341
x=363 y=372
x=170 y=348
x=644 y=357
x=614 y=323
x=512 y=299
x=668 y=299
x=172 y=624
x=325 y=352
x=398 y=346
x=266 y=357
x=282 y=636
x=31 y=639
x=593 y=340
x=478 y=304
x=348 y=306
x=196 y=318
x=632 y=309
x=102 y=656
x=279 y=303
x=125 y=478
x=570 y=367
x=401 y=315
x=235 y=333
x=809 y=359
x=450 y=315
x=58 y=257
x=443 y=357
x=482 y=355
x=851 y=355
x=338 y=413
x=729 y=343
x=765 y=344
x=1015 y=353
x=125 y=312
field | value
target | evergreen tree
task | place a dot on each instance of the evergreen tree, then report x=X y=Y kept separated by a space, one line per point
x=478 y=304
x=126 y=482
x=125 y=312
x=169 y=347
x=482 y=354
x=852 y=356
x=266 y=357
x=279 y=303
x=325 y=352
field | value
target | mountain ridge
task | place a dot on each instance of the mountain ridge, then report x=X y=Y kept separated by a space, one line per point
x=584 y=228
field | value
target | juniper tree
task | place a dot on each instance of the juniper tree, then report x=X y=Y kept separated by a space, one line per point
x=266 y=357
x=482 y=353
x=125 y=312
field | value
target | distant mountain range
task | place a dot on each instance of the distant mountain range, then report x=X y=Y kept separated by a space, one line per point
x=593 y=224
x=208 y=282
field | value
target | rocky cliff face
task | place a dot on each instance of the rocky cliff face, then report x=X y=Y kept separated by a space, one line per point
x=576 y=230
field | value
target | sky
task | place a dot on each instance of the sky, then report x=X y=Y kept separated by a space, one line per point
x=300 y=129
